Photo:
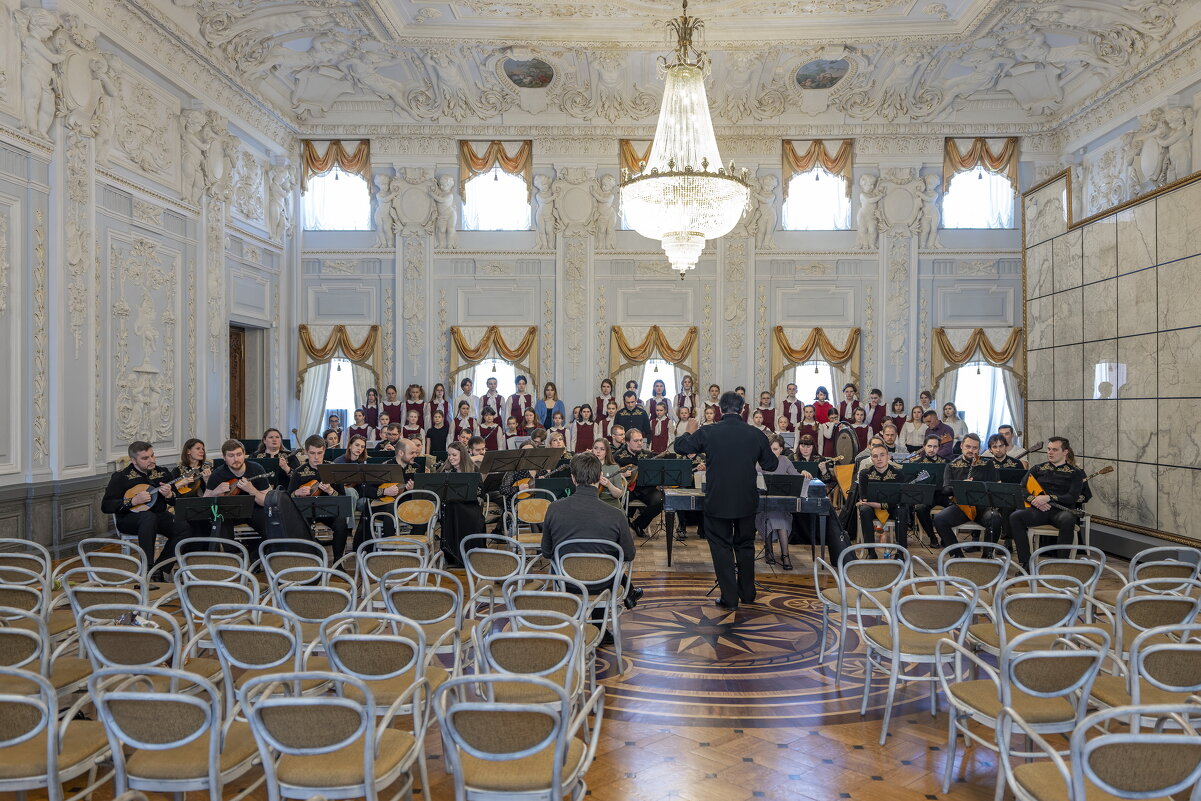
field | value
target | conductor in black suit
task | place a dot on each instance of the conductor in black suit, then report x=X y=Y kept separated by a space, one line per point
x=732 y=449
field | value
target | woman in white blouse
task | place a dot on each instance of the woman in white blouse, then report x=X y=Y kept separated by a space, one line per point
x=913 y=432
x=950 y=416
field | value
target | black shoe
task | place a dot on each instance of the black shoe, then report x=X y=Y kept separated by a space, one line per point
x=725 y=606
x=785 y=562
x=641 y=532
x=633 y=596
x=159 y=577
x=769 y=556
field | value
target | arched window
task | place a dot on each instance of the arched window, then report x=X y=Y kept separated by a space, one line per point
x=496 y=201
x=811 y=375
x=978 y=198
x=817 y=201
x=980 y=397
x=337 y=201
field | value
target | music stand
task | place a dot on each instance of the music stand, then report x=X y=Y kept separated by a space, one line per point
x=270 y=465
x=1007 y=496
x=517 y=442
x=450 y=487
x=789 y=438
x=438 y=456
x=1011 y=475
x=909 y=472
x=216 y=510
x=971 y=493
x=790 y=486
x=531 y=459
x=360 y=473
x=896 y=493
x=813 y=468
x=665 y=472
x=561 y=487
x=323 y=507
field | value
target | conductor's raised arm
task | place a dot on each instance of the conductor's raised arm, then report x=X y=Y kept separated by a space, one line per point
x=767 y=458
x=690 y=444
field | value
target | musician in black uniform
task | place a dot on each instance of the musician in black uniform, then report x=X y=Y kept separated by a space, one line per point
x=968 y=466
x=237 y=473
x=651 y=496
x=929 y=455
x=998 y=454
x=633 y=416
x=300 y=486
x=881 y=469
x=407 y=451
x=159 y=518
x=1062 y=484
x=732 y=448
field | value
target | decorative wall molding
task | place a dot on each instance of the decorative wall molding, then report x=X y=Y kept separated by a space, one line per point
x=575 y=298
x=413 y=301
x=41 y=341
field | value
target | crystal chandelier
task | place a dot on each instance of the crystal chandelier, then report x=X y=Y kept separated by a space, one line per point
x=676 y=198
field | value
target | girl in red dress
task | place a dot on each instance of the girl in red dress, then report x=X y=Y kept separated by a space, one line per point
x=828 y=432
x=413 y=428
x=529 y=422
x=392 y=406
x=463 y=420
x=821 y=405
x=371 y=408
x=863 y=431
x=849 y=402
x=584 y=430
x=361 y=427
x=712 y=403
x=808 y=423
x=559 y=425
x=658 y=398
x=415 y=402
x=768 y=410
x=897 y=413
x=790 y=407
x=520 y=400
x=607 y=424
x=438 y=402
x=686 y=397
x=757 y=421
x=601 y=407
x=661 y=433
x=490 y=430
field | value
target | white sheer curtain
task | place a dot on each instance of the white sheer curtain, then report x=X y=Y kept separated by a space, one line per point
x=312 y=400
x=364 y=379
x=1014 y=400
x=946 y=389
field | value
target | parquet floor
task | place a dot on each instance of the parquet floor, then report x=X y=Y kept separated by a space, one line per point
x=721 y=707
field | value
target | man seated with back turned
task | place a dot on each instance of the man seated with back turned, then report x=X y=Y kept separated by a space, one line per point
x=584 y=516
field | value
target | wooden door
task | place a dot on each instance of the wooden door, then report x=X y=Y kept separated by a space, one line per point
x=237 y=382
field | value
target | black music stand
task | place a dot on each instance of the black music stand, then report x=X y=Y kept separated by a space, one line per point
x=270 y=465
x=813 y=468
x=361 y=473
x=450 y=487
x=322 y=507
x=971 y=493
x=531 y=459
x=215 y=510
x=1007 y=496
x=783 y=485
x=1011 y=475
x=910 y=472
x=333 y=453
x=896 y=493
x=665 y=472
x=561 y=487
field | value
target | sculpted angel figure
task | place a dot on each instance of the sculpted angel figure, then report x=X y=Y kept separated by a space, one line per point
x=870 y=193
x=38 y=57
x=604 y=214
x=445 y=213
x=385 y=210
x=931 y=216
x=545 y=221
x=763 y=221
x=191 y=124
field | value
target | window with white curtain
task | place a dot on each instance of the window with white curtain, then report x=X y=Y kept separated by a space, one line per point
x=339 y=393
x=811 y=375
x=817 y=201
x=981 y=399
x=978 y=199
x=337 y=201
x=657 y=370
x=504 y=373
x=496 y=201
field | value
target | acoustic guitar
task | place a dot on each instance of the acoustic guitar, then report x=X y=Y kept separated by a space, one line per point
x=137 y=489
x=314 y=491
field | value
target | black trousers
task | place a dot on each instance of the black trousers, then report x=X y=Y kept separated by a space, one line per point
x=732 y=546
x=1021 y=521
x=900 y=515
x=946 y=520
x=652 y=497
x=337 y=524
x=147 y=526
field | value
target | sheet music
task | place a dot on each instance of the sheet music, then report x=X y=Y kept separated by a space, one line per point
x=805 y=488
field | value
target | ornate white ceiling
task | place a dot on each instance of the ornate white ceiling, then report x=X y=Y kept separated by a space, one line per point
x=546 y=62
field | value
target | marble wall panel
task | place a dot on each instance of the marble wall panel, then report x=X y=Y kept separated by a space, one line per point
x=1179 y=432
x=1177 y=232
x=1066 y=261
x=1138 y=494
x=1041 y=316
x=1137 y=311
x=1136 y=238
x=1038 y=270
x=1040 y=420
x=1101 y=310
x=1069 y=383
x=1101 y=249
x=1097 y=369
x=1040 y=374
x=1069 y=316
x=1138 y=429
x=1101 y=423
x=1105 y=488
x=1178 y=490
x=1069 y=420
x=1180 y=363
x=1141 y=357
x=1179 y=306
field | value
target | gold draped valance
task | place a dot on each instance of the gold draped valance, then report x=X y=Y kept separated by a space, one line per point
x=629 y=156
x=655 y=344
x=946 y=357
x=979 y=153
x=367 y=353
x=472 y=164
x=335 y=155
x=841 y=163
x=786 y=356
x=465 y=356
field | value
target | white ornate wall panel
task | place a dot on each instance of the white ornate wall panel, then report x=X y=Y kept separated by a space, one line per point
x=13 y=279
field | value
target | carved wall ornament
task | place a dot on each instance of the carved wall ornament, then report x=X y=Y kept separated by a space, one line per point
x=604 y=214
x=389 y=331
x=707 y=332
x=868 y=219
x=897 y=308
x=816 y=268
x=548 y=335
x=5 y=261
x=443 y=350
x=931 y=213
x=976 y=267
x=340 y=266
x=215 y=272
x=445 y=212
x=147 y=213
x=575 y=298
x=901 y=209
x=413 y=301
x=387 y=215
x=77 y=233
x=547 y=220
x=41 y=342
x=602 y=333
x=495 y=268
x=1159 y=151
x=760 y=218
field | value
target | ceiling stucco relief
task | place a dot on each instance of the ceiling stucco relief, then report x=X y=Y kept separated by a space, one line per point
x=378 y=60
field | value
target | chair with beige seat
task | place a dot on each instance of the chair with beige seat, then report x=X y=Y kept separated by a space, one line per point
x=1169 y=561
x=599 y=565
x=490 y=560
x=1160 y=761
x=200 y=552
x=37 y=751
x=280 y=554
x=27 y=554
x=314 y=594
x=921 y=612
x=168 y=734
x=524 y=519
x=505 y=644
x=331 y=745
x=1027 y=604
x=1146 y=604
x=377 y=558
x=201 y=588
x=985 y=571
x=517 y=751
x=257 y=640
x=534 y=593
x=28 y=591
x=388 y=654
x=433 y=599
x=1164 y=668
x=877 y=576
x=25 y=645
x=141 y=636
x=409 y=510
x=1045 y=674
x=1085 y=563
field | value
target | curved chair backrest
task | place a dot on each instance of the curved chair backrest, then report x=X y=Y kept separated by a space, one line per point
x=280 y=554
x=313 y=594
x=985 y=571
x=86 y=587
x=425 y=596
x=934 y=605
x=130 y=637
x=1137 y=763
x=590 y=562
x=1066 y=669
x=23 y=640
x=1168 y=658
x=23 y=589
x=97 y=552
x=1168 y=561
x=24 y=563
x=16 y=551
x=503 y=646
x=1153 y=602
x=203 y=587
x=871 y=574
x=1084 y=563
x=534 y=593
x=26 y=714
x=529 y=506
x=373 y=646
x=374 y=564
x=490 y=558
x=418 y=507
x=197 y=552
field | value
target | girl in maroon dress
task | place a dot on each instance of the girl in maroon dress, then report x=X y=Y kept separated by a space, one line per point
x=413 y=429
x=607 y=424
x=821 y=405
x=601 y=408
x=791 y=407
x=658 y=398
x=520 y=400
x=897 y=413
x=828 y=433
x=415 y=402
x=438 y=402
x=686 y=397
x=757 y=421
x=463 y=420
x=559 y=425
x=584 y=430
x=393 y=407
x=768 y=410
x=371 y=408
x=661 y=433
x=361 y=427
x=712 y=403
x=490 y=430
x=849 y=402
x=529 y=422
x=808 y=423
x=863 y=431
